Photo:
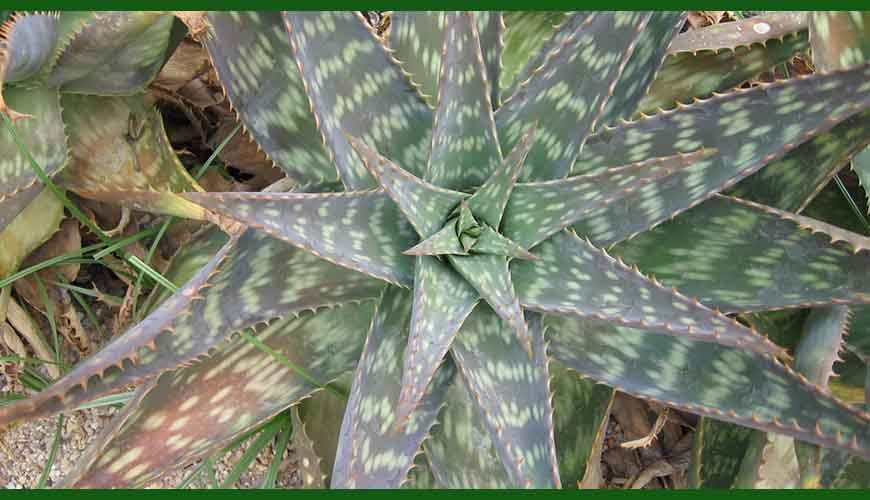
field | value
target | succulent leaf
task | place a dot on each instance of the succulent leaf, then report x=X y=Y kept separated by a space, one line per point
x=253 y=278
x=376 y=450
x=460 y=452
x=526 y=36
x=26 y=45
x=490 y=276
x=696 y=253
x=44 y=137
x=839 y=39
x=643 y=65
x=703 y=61
x=572 y=277
x=32 y=227
x=770 y=462
x=442 y=300
x=538 y=210
x=113 y=53
x=416 y=38
x=771 y=111
x=758 y=391
x=360 y=230
x=793 y=181
x=308 y=462
x=120 y=154
x=251 y=55
x=567 y=94
x=425 y=206
x=328 y=46
x=719 y=451
x=512 y=392
x=191 y=411
x=490 y=200
x=465 y=149
x=581 y=410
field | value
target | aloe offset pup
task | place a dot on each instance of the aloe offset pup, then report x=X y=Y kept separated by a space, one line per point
x=480 y=237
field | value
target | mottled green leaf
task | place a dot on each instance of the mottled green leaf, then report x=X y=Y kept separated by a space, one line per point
x=377 y=104
x=525 y=38
x=113 y=53
x=417 y=36
x=512 y=392
x=252 y=279
x=490 y=276
x=720 y=449
x=567 y=94
x=307 y=460
x=696 y=73
x=489 y=201
x=839 y=39
x=573 y=277
x=376 y=450
x=725 y=383
x=815 y=356
x=360 y=230
x=492 y=243
x=581 y=409
x=539 y=209
x=749 y=129
x=641 y=68
x=861 y=166
x=465 y=147
x=442 y=300
x=251 y=55
x=44 y=137
x=189 y=412
x=425 y=206
x=460 y=452
x=856 y=475
x=445 y=241
x=119 y=149
x=730 y=35
x=793 y=181
x=769 y=463
x=740 y=257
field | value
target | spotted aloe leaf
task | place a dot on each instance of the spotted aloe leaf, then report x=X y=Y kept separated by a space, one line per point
x=376 y=450
x=770 y=462
x=643 y=65
x=541 y=209
x=113 y=53
x=375 y=105
x=308 y=462
x=793 y=181
x=592 y=58
x=360 y=230
x=573 y=277
x=771 y=112
x=581 y=411
x=424 y=205
x=718 y=451
x=761 y=393
x=720 y=57
x=120 y=154
x=42 y=135
x=192 y=411
x=234 y=290
x=465 y=148
x=512 y=393
x=416 y=37
x=525 y=37
x=839 y=39
x=691 y=251
x=251 y=55
x=815 y=356
x=491 y=277
x=460 y=452
x=442 y=300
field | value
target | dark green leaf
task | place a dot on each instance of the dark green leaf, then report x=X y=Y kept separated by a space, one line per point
x=377 y=104
x=573 y=277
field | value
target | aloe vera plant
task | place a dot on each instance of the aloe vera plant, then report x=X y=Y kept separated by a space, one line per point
x=466 y=245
